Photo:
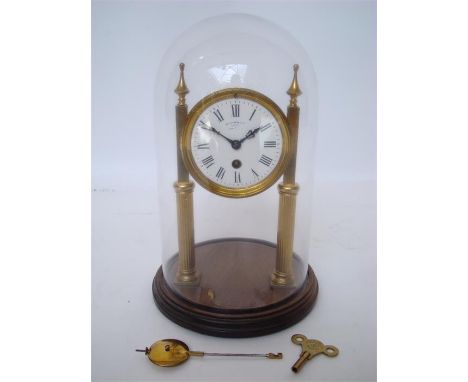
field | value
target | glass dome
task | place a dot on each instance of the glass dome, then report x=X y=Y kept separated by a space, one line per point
x=221 y=255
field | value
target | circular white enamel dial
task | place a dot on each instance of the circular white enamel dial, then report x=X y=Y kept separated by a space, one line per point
x=236 y=142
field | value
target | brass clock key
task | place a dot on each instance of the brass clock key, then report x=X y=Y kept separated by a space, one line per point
x=171 y=352
x=310 y=348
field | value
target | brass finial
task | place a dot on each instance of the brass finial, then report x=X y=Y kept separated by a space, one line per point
x=294 y=91
x=181 y=88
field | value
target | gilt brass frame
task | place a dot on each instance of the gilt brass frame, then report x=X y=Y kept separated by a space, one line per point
x=186 y=148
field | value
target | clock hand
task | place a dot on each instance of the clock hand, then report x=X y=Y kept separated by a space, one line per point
x=235 y=144
x=250 y=134
x=210 y=128
x=219 y=133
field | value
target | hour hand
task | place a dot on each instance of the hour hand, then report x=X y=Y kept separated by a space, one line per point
x=250 y=134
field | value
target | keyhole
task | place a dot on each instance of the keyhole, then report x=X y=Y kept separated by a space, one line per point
x=167 y=348
x=236 y=163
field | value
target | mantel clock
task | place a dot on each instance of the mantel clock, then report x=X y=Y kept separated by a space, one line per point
x=236 y=143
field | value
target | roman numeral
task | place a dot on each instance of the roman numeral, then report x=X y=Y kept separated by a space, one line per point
x=220 y=173
x=252 y=115
x=267 y=126
x=203 y=146
x=269 y=144
x=255 y=173
x=208 y=161
x=218 y=115
x=237 y=178
x=235 y=110
x=265 y=160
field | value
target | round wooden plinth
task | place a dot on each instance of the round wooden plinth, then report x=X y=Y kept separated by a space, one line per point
x=234 y=297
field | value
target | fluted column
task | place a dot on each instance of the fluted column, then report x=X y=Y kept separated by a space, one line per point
x=283 y=274
x=186 y=272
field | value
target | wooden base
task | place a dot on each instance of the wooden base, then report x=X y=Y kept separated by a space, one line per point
x=235 y=297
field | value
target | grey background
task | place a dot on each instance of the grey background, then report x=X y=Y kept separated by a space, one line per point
x=128 y=41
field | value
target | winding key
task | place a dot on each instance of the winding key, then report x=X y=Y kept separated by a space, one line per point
x=310 y=348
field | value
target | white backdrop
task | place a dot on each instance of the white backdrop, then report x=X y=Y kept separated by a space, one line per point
x=128 y=41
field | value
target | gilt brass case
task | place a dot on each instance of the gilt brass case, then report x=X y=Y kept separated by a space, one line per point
x=186 y=149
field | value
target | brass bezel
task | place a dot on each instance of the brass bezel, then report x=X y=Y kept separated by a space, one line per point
x=186 y=148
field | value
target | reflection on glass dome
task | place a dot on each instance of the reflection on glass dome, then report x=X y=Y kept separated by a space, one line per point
x=233 y=74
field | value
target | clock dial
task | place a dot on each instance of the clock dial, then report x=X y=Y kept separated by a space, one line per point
x=236 y=143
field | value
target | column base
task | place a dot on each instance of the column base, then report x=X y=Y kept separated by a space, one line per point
x=281 y=279
x=187 y=279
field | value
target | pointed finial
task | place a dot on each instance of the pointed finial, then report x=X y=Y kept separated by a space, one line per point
x=181 y=89
x=294 y=91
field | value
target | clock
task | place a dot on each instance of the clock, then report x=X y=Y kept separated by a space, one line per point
x=236 y=142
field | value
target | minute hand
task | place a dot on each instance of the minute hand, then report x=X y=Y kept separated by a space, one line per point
x=210 y=128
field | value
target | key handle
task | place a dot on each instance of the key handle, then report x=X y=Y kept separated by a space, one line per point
x=314 y=347
x=310 y=348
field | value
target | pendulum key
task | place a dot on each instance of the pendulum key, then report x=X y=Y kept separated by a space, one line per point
x=171 y=352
